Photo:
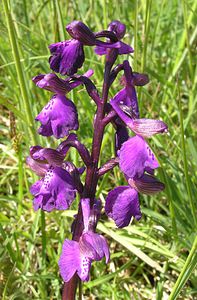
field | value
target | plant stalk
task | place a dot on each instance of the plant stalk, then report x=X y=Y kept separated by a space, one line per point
x=69 y=288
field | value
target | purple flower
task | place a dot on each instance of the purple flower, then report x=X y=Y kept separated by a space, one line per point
x=135 y=157
x=119 y=30
x=55 y=191
x=78 y=256
x=53 y=83
x=142 y=127
x=68 y=56
x=58 y=117
x=127 y=97
x=122 y=204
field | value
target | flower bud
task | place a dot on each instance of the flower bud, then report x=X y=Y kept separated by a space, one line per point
x=118 y=28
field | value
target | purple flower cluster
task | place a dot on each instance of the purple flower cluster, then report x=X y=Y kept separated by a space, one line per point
x=60 y=179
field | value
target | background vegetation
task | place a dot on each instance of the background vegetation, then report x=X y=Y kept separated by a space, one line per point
x=149 y=259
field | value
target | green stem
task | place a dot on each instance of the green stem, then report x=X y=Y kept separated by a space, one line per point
x=43 y=225
x=179 y=283
x=187 y=39
x=19 y=69
x=20 y=181
x=185 y=162
x=135 y=36
x=146 y=33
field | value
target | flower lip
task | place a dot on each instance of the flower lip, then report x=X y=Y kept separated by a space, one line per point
x=67 y=57
x=135 y=156
x=58 y=117
x=56 y=190
x=121 y=204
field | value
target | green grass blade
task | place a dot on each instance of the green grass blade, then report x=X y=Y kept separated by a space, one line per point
x=186 y=272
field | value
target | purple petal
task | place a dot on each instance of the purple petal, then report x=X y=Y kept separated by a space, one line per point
x=79 y=31
x=135 y=155
x=146 y=184
x=95 y=246
x=67 y=57
x=118 y=28
x=122 y=49
x=53 y=157
x=58 y=117
x=84 y=267
x=100 y=50
x=139 y=79
x=121 y=204
x=147 y=127
x=52 y=83
x=35 y=188
x=85 y=205
x=69 y=259
x=37 y=203
x=57 y=190
x=106 y=45
x=39 y=168
x=125 y=49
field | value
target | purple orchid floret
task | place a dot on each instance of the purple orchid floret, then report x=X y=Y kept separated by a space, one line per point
x=78 y=256
x=143 y=127
x=58 y=117
x=119 y=30
x=135 y=156
x=55 y=191
x=53 y=83
x=122 y=204
x=68 y=56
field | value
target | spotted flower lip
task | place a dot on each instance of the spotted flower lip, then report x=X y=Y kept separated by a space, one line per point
x=122 y=204
x=135 y=156
x=55 y=191
x=53 y=83
x=58 y=117
x=78 y=256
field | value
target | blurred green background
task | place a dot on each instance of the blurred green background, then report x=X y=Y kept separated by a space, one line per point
x=149 y=259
